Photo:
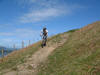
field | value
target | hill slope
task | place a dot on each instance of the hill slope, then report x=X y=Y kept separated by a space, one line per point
x=25 y=61
x=76 y=52
x=80 y=55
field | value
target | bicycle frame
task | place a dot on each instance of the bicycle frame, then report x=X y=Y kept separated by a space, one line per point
x=44 y=40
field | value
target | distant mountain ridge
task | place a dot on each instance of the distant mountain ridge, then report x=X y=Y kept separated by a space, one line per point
x=1 y=47
x=6 y=49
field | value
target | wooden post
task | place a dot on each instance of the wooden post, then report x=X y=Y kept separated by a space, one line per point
x=22 y=44
x=2 y=52
x=29 y=42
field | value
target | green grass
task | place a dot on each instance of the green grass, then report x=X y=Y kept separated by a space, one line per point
x=18 y=57
x=72 y=30
x=80 y=55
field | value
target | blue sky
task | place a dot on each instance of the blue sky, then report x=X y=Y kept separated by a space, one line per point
x=23 y=19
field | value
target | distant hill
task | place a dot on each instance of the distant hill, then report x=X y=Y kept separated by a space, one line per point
x=1 y=47
x=6 y=49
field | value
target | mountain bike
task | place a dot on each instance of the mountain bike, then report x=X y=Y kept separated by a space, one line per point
x=44 y=40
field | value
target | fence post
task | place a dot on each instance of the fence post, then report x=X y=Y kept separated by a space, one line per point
x=14 y=46
x=22 y=44
x=29 y=42
x=2 y=51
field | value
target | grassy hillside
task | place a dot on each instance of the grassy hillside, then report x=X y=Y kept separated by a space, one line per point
x=80 y=55
x=18 y=57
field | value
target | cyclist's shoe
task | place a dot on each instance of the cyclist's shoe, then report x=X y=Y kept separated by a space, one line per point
x=45 y=44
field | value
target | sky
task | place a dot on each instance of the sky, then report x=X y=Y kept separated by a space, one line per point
x=22 y=20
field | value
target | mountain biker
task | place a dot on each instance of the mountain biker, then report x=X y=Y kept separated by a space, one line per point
x=44 y=34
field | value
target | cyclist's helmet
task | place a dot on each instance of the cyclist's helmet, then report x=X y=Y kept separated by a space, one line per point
x=44 y=28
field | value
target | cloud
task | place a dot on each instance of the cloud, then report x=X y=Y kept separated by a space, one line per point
x=41 y=10
x=21 y=33
x=7 y=40
x=43 y=14
x=5 y=25
x=37 y=2
x=5 y=34
x=26 y=33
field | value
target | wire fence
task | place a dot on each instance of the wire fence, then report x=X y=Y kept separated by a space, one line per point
x=4 y=52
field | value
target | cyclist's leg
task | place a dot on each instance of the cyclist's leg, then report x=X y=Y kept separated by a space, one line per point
x=45 y=40
x=42 y=41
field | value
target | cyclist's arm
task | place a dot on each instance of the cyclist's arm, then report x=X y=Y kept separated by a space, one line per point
x=41 y=33
x=47 y=32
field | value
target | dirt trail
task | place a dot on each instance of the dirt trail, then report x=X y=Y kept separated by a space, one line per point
x=30 y=66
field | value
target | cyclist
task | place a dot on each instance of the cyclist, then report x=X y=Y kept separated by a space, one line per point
x=44 y=35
